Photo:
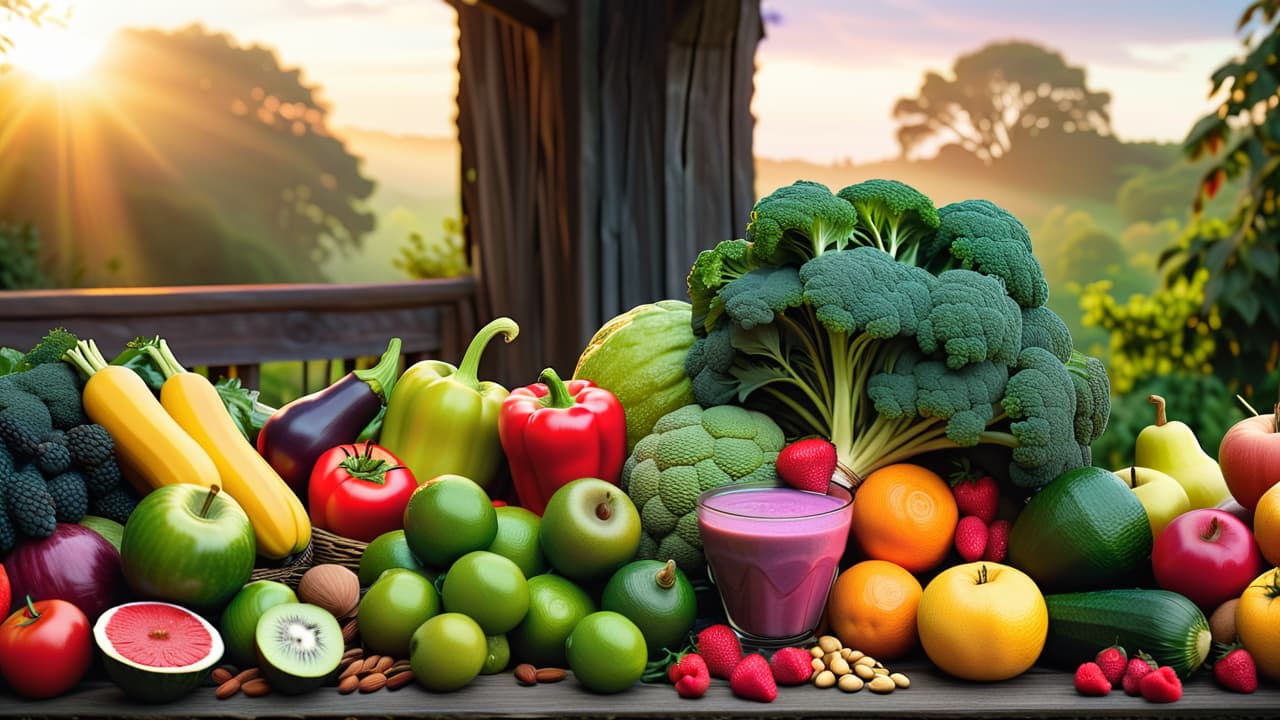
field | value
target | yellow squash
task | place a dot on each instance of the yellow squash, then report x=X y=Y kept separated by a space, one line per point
x=150 y=445
x=280 y=523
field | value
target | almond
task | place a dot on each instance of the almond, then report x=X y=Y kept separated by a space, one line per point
x=383 y=665
x=371 y=661
x=399 y=667
x=227 y=688
x=348 y=684
x=221 y=675
x=526 y=674
x=355 y=668
x=373 y=682
x=256 y=687
x=350 y=630
x=246 y=675
x=399 y=680
x=550 y=675
x=352 y=654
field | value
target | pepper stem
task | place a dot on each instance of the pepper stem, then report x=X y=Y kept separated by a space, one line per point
x=469 y=369
x=1158 y=401
x=666 y=577
x=382 y=376
x=558 y=395
x=208 y=500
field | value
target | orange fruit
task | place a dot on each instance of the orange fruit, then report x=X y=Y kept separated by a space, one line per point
x=905 y=514
x=1258 y=622
x=1266 y=524
x=982 y=621
x=872 y=607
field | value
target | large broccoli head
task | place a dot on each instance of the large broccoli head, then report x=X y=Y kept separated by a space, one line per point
x=691 y=450
x=979 y=235
x=892 y=216
x=799 y=222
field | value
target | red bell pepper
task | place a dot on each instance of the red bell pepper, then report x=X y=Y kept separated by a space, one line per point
x=359 y=491
x=555 y=432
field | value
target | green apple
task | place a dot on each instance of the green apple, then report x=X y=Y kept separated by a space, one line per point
x=1160 y=494
x=189 y=545
x=240 y=618
x=589 y=529
x=393 y=608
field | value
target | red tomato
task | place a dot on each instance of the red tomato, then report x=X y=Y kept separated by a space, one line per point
x=45 y=648
x=359 y=491
x=5 y=599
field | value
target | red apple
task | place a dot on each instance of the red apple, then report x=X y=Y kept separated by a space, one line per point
x=1207 y=555
x=1250 y=458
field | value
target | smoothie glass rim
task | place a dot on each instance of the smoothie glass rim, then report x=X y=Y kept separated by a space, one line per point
x=769 y=485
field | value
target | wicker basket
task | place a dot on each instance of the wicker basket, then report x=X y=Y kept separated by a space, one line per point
x=291 y=572
x=331 y=548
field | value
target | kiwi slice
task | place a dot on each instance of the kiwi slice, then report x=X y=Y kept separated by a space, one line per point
x=299 y=646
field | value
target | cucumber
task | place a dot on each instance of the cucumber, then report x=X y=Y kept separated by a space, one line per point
x=1165 y=625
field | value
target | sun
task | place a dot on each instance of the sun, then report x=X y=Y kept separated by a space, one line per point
x=55 y=53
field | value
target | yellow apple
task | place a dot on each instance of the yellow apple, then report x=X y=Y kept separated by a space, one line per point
x=1160 y=494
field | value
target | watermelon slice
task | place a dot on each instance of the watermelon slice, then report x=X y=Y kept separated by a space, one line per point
x=156 y=652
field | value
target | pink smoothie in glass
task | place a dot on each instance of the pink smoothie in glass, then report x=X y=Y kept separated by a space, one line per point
x=773 y=552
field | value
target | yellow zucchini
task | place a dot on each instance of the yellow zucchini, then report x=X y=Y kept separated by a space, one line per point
x=150 y=445
x=280 y=523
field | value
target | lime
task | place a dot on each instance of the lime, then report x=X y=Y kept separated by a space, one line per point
x=393 y=608
x=657 y=597
x=517 y=539
x=447 y=652
x=388 y=550
x=448 y=517
x=489 y=588
x=606 y=652
x=556 y=605
x=499 y=655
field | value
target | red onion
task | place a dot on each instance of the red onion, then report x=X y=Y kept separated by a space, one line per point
x=74 y=564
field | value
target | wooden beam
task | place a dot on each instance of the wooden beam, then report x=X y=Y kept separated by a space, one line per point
x=537 y=14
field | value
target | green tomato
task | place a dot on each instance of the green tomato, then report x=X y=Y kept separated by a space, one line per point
x=447 y=652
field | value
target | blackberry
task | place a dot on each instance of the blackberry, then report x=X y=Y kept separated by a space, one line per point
x=27 y=497
x=8 y=535
x=90 y=444
x=70 y=497
x=17 y=436
x=52 y=458
x=116 y=505
x=103 y=478
x=55 y=436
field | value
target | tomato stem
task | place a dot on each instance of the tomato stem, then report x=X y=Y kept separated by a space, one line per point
x=32 y=615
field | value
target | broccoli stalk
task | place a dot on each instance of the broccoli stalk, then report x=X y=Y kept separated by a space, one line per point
x=892 y=216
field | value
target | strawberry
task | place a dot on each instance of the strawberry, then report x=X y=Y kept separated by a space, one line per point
x=807 y=464
x=997 y=541
x=1139 y=667
x=975 y=493
x=971 y=538
x=1235 y=670
x=753 y=680
x=719 y=647
x=1113 y=662
x=690 y=675
x=1091 y=681
x=791 y=666
x=1161 y=686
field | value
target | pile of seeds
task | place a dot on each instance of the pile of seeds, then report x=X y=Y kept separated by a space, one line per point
x=851 y=670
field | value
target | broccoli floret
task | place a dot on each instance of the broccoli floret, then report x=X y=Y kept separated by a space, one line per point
x=1093 y=397
x=6 y=462
x=756 y=297
x=691 y=450
x=8 y=533
x=978 y=235
x=58 y=386
x=116 y=505
x=70 y=496
x=102 y=478
x=965 y=398
x=51 y=349
x=90 y=444
x=29 y=504
x=727 y=261
x=52 y=458
x=24 y=420
x=892 y=216
x=865 y=290
x=707 y=366
x=1041 y=400
x=971 y=320
x=1041 y=327
x=799 y=222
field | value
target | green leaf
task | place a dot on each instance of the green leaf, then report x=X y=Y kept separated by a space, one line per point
x=1264 y=259
x=1247 y=305
x=10 y=361
x=239 y=402
x=138 y=360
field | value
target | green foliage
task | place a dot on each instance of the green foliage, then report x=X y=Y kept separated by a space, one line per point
x=20 y=258
x=444 y=257
x=998 y=95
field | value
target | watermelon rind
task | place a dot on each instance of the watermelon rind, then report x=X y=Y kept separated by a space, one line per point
x=150 y=684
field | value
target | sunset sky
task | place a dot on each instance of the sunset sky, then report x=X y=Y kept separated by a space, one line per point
x=829 y=71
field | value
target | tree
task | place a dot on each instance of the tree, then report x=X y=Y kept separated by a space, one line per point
x=1242 y=137
x=996 y=95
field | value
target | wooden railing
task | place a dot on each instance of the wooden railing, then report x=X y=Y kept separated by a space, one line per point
x=233 y=329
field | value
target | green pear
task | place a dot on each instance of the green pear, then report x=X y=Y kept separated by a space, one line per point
x=1172 y=448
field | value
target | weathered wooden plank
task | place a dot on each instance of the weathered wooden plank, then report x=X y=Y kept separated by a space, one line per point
x=1039 y=693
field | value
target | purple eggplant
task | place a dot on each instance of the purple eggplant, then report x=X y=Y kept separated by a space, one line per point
x=299 y=432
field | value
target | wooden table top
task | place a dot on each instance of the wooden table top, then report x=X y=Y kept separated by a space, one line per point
x=1038 y=693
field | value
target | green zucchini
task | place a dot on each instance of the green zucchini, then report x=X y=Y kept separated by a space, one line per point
x=1165 y=625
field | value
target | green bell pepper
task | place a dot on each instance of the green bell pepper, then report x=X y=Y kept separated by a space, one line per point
x=442 y=419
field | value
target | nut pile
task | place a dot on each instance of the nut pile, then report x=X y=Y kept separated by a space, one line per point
x=527 y=674
x=851 y=670
x=357 y=672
